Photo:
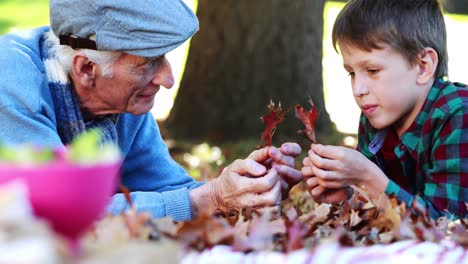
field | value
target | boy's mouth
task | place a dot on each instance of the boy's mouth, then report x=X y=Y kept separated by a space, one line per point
x=368 y=109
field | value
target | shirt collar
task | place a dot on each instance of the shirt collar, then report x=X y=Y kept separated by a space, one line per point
x=412 y=135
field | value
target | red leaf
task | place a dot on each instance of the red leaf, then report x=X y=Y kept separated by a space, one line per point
x=275 y=116
x=126 y=193
x=296 y=232
x=308 y=118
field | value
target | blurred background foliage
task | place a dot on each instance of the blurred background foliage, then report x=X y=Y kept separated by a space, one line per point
x=22 y=14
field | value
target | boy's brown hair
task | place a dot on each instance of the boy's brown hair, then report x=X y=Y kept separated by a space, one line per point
x=407 y=26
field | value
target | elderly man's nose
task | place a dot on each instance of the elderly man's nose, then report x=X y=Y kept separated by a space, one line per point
x=164 y=75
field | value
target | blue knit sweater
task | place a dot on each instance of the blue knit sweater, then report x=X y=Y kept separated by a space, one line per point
x=27 y=114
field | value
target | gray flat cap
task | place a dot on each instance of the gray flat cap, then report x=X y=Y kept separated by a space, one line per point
x=147 y=28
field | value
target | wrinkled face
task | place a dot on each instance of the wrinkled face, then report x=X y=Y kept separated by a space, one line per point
x=384 y=86
x=132 y=88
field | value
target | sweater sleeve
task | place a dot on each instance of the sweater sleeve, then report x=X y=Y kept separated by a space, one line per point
x=175 y=204
x=158 y=184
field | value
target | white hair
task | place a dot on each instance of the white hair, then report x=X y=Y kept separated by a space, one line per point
x=65 y=54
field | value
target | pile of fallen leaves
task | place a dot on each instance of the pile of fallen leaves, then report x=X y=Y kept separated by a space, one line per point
x=300 y=223
x=356 y=222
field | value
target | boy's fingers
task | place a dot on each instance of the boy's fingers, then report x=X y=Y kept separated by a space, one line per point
x=317 y=191
x=312 y=183
x=330 y=184
x=306 y=161
x=322 y=162
x=307 y=172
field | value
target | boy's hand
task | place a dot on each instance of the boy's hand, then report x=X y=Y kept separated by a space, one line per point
x=322 y=195
x=339 y=167
x=319 y=193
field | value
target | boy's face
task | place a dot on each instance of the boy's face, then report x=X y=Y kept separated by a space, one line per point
x=384 y=86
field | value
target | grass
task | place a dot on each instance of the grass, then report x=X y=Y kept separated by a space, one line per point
x=23 y=14
x=459 y=18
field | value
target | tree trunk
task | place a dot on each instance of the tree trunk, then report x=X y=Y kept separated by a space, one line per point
x=450 y=6
x=456 y=6
x=246 y=53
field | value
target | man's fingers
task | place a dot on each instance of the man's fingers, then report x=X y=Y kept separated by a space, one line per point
x=267 y=163
x=271 y=197
x=291 y=149
x=258 y=184
x=247 y=167
x=279 y=157
x=267 y=198
x=284 y=188
x=291 y=175
x=259 y=155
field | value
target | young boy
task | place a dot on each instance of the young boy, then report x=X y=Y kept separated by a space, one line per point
x=413 y=131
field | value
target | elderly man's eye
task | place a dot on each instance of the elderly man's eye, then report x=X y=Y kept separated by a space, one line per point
x=154 y=62
x=150 y=64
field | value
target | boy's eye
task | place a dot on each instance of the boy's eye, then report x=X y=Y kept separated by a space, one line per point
x=373 y=71
x=351 y=74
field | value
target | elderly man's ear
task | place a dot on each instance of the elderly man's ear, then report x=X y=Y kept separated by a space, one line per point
x=83 y=70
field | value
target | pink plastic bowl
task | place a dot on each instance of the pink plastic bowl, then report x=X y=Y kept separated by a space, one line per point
x=70 y=197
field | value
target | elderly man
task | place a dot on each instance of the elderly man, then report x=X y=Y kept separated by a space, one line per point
x=100 y=64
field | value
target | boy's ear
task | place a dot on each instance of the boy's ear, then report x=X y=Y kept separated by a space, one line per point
x=83 y=70
x=427 y=64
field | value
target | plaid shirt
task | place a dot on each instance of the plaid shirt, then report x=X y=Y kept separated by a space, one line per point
x=429 y=162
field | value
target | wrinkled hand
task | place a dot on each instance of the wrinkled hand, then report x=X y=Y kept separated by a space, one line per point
x=247 y=183
x=257 y=181
x=283 y=160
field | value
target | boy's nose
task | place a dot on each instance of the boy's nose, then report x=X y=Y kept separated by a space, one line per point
x=163 y=75
x=359 y=87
